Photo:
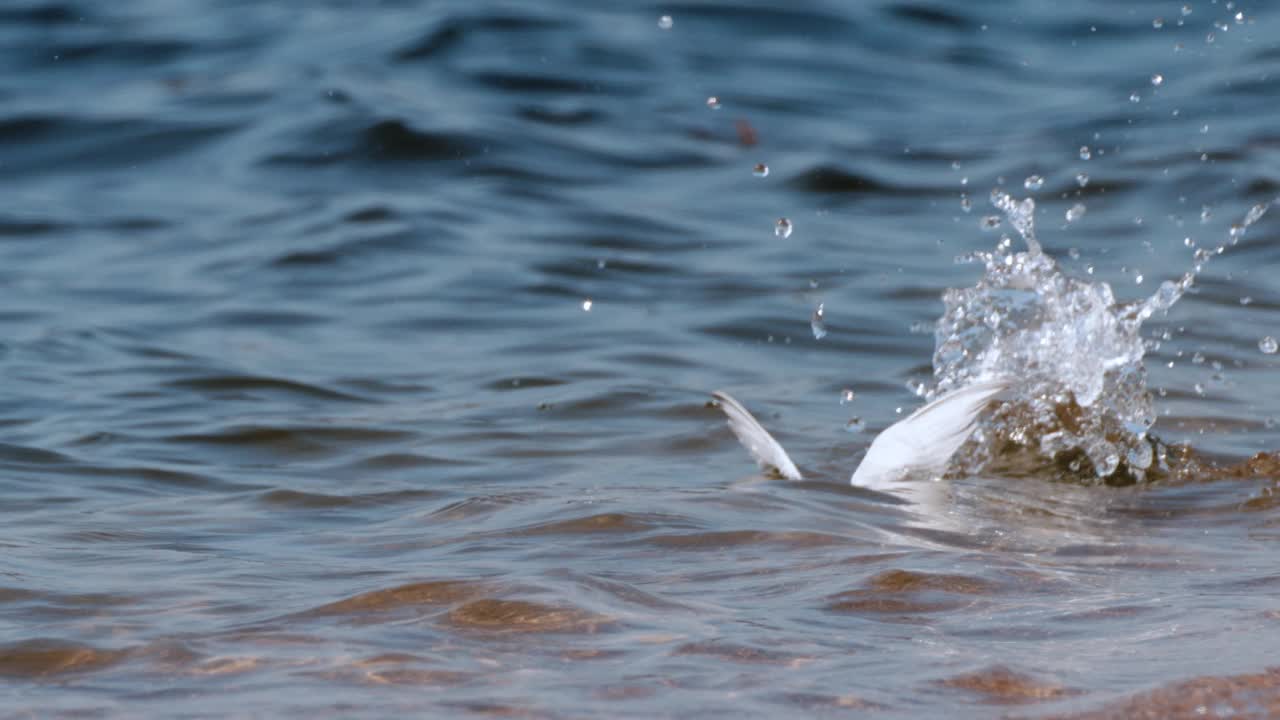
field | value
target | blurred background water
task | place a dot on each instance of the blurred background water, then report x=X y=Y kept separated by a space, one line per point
x=356 y=356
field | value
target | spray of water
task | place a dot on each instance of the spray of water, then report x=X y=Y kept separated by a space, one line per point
x=1078 y=351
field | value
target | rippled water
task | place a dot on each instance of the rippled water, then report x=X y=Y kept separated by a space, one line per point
x=356 y=357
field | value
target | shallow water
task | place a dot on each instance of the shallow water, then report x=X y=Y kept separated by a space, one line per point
x=304 y=415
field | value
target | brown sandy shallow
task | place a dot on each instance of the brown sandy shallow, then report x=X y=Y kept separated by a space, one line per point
x=1253 y=695
x=1003 y=685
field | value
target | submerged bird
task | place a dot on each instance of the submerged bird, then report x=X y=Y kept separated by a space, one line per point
x=920 y=445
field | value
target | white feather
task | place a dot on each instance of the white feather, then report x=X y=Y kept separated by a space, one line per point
x=763 y=448
x=923 y=443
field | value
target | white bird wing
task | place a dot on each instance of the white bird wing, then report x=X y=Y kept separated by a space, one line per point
x=763 y=448
x=925 y=441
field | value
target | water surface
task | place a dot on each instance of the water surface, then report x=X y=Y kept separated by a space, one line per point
x=304 y=415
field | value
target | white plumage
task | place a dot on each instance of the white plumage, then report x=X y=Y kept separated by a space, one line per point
x=919 y=445
x=766 y=451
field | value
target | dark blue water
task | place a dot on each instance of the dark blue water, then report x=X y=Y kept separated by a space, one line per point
x=303 y=414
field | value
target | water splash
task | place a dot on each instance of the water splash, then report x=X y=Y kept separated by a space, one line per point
x=1079 y=352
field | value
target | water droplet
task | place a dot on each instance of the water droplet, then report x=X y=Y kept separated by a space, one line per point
x=855 y=425
x=760 y=170
x=1186 y=10
x=1033 y=182
x=1268 y=345
x=586 y=305
x=1188 y=242
x=666 y=22
x=1240 y=18
x=602 y=264
x=1075 y=212
x=955 y=164
x=1197 y=359
x=1255 y=214
x=1109 y=465
x=1134 y=97
x=1246 y=300
x=1157 y=23
x=1205 y=214
x=1084 y=152
x=1082 y=179
x=846 y=396
x=990 y=222
x=1199 y=388
x=1157 y=79
x=782 y=228
x=818 y=323
x=1138 y=278
x=713 y=102
x=1210 y=38
x=965 y=204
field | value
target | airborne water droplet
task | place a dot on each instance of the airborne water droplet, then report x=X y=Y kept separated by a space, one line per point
x=990 y=222
x=666 y=22
x=846 y=396
x=713 y=102
x=965 y=204
x=1082 y=179
x=855 y=425
x=586 y=305
x=760 y=170
x=1186 y=10
x=782 y=228
x=1157 y=79
x=1268 y=345
x=1134 y=97
x=1075 y=212
x=1157 y=23
x=818 y=323
x=1255 y=214
x=1033 y=182
x=1084 y=152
